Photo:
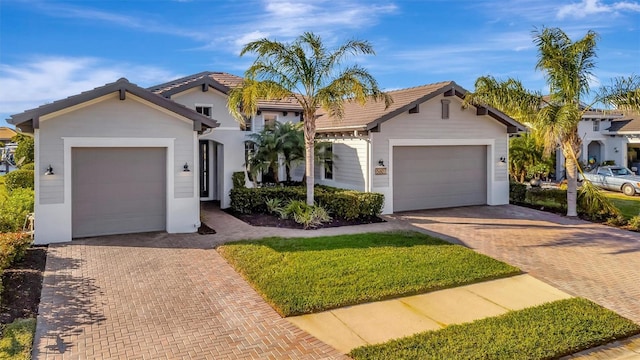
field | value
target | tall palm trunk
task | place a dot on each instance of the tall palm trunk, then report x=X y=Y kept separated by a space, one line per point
x=568 y=149
x=309 y=142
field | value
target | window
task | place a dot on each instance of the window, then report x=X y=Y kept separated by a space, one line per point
x=328 y=162
x=445 y=108
x=204 y=110
x=248 y=122
x=269 y=120
x=596 y=125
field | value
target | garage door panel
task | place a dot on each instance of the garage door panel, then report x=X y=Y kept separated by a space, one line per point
x=426 y=177
x=118 y=190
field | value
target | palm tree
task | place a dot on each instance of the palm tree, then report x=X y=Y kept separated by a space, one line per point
x=305 y=70
x=568 y=67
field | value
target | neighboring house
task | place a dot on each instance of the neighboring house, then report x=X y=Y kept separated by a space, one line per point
x=425 y=151
x=6 y=134
x=123 y=159
x=115 y=159
x=607 y=136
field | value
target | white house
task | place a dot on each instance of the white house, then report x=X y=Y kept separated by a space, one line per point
x=115 y=159
x=607 y=136
x=425 y=151
x=123 y=159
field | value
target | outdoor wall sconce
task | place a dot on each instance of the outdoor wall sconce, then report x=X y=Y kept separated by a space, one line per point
x=185 y=168
x=503 y=159
x=615 y=149
x=380 y=162
x=49 y=170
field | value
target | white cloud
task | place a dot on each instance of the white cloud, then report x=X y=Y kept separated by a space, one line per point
x=286 y=19
x=593 y=7
x=47 y=79
x=146 y=24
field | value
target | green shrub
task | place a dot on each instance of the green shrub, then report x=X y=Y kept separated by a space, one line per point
x=14 y=209
x=344 y=204
x=29 y=166
x=310 y=216
x=634 y=223
x=19 y=179
x=517 y=192
x=238 y=179
x=13 y=247
x=608 y=162
x=274 y=206
x=547 y=196
x=17 y=339
x=25 y=151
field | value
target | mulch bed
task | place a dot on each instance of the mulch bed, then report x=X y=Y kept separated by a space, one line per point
x=22 y=284
x=274 y=221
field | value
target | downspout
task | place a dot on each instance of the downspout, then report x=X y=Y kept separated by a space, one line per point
x=367 y=180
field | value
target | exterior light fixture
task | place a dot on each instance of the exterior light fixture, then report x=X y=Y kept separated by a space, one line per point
x=503 y=159
x=185 y=168
x=615 y=149
x=49 y=170
x=380 y=162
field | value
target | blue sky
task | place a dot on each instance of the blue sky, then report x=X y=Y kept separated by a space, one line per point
x=52 y=49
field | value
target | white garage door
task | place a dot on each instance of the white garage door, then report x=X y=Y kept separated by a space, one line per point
x=428 y=177
x=118 y=190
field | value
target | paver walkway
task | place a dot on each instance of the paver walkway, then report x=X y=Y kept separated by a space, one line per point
x=161 y=296
x=158 y=296
x=584 y=259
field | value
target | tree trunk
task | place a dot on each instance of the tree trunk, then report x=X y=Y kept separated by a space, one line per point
x=309 y=142
x=572 y=178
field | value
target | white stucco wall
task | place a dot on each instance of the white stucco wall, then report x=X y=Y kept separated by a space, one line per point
x=110 y=122
x=229 y=138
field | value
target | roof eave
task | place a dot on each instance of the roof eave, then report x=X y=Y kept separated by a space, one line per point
x=28 y=121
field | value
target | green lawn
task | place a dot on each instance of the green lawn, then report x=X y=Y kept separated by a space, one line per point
x=17 y=339
x=305 y=275
x=629 y=206
x=547 y=331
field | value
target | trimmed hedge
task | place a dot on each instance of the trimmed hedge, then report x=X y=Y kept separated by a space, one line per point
x=238 y=179
x=19 y=179
x=29 y=166
x=517 y=192
x=344 y=204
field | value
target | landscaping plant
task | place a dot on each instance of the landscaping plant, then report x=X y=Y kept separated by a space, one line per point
x=310 y=74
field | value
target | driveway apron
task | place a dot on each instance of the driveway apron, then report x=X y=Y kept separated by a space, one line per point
x=584 y=259
x=158 y=296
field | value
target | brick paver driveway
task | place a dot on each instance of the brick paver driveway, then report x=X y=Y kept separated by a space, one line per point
x=597 y=262
x=158 y=296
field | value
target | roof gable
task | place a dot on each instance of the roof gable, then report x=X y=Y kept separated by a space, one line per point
x=373 y=113
x=222 y=82
x=30 y=119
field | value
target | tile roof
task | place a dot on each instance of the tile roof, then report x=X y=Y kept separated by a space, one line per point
x=28 y=120
x=222 y=82
x=630 y=123
x=356 y=115
x=6 y=133
x=373 y=113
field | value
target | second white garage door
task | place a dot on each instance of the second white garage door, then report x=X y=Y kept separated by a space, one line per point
x=429 y=177
x=118 y=190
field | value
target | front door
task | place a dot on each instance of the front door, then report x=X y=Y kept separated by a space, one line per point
x=204 y=169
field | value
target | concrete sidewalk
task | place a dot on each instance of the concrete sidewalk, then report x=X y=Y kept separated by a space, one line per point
x=373 y=323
